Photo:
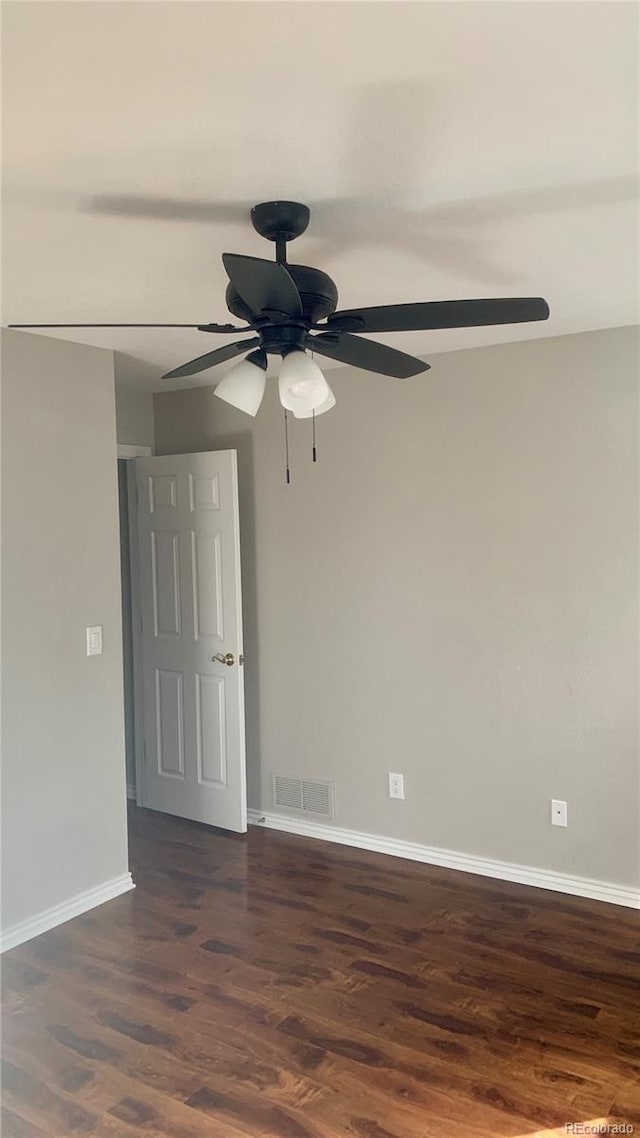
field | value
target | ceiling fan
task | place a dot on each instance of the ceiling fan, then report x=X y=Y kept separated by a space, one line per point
x=291 y=310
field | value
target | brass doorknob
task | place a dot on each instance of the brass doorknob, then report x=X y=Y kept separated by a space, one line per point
x=228 y=658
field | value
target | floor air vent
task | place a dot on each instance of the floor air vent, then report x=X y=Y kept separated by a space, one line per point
x=304 y=795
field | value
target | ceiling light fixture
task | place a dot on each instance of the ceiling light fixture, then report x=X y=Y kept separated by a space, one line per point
x=243 y=387
x=301 y=385
x=303 y=388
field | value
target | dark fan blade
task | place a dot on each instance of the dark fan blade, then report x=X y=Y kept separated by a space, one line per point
x=205 y=327
x=366 y=354
x=213 y=358
x=225 y=328
x=440 y=314
x=263 y=284
x=201 y=327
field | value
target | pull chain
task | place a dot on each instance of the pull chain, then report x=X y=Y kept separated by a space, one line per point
x=286 y=447
x=313 y=419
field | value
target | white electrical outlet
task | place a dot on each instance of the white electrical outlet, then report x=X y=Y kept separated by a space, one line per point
x=396 y=785
x=558 y=812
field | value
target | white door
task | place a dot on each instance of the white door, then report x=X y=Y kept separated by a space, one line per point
x=193 y=697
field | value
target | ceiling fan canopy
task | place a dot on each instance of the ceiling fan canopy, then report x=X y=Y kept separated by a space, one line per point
x=289 y=308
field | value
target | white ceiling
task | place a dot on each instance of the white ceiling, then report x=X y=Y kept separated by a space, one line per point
x=445 y=149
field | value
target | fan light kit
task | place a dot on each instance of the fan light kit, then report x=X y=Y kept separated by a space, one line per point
x=290 y=310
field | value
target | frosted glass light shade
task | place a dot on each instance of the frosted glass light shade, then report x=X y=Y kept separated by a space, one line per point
x=302 y=385
x=329 y=402
x=243 y=387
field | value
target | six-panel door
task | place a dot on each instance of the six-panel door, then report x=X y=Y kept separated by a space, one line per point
x=193 y=705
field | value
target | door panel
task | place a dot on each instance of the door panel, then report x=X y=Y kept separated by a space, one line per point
x=203 y=493
x=165 y=568
x=191 y=610
x=206 y=567
x=211 y=729
x=170 y=723
x=163 y=492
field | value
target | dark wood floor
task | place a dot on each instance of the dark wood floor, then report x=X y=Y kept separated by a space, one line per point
x=270 y=985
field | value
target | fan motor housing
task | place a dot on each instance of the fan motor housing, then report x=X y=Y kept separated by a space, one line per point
x=318 y=294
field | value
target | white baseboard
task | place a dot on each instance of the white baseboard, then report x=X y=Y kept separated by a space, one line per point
x=58 y=914
x=450 y=859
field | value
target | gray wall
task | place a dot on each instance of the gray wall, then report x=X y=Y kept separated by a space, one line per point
x=134 y=416
x=135 y=381
x=63 y=774
x=451 y=592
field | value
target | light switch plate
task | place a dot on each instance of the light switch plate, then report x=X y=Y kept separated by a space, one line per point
x=558 y=812
x=94 y=640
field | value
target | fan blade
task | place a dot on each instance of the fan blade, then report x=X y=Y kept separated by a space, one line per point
x=213 y=358
x=226 y=328
x=440 y=314
x=201 y=327
x=366 y=354
x=263 y=284
x=204 y=327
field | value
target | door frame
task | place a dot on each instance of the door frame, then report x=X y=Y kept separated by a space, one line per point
x=128 y=452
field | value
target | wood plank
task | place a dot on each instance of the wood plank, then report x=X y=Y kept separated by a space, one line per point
x=268 y=985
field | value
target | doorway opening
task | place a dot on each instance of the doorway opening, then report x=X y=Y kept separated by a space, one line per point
x=130 y=604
